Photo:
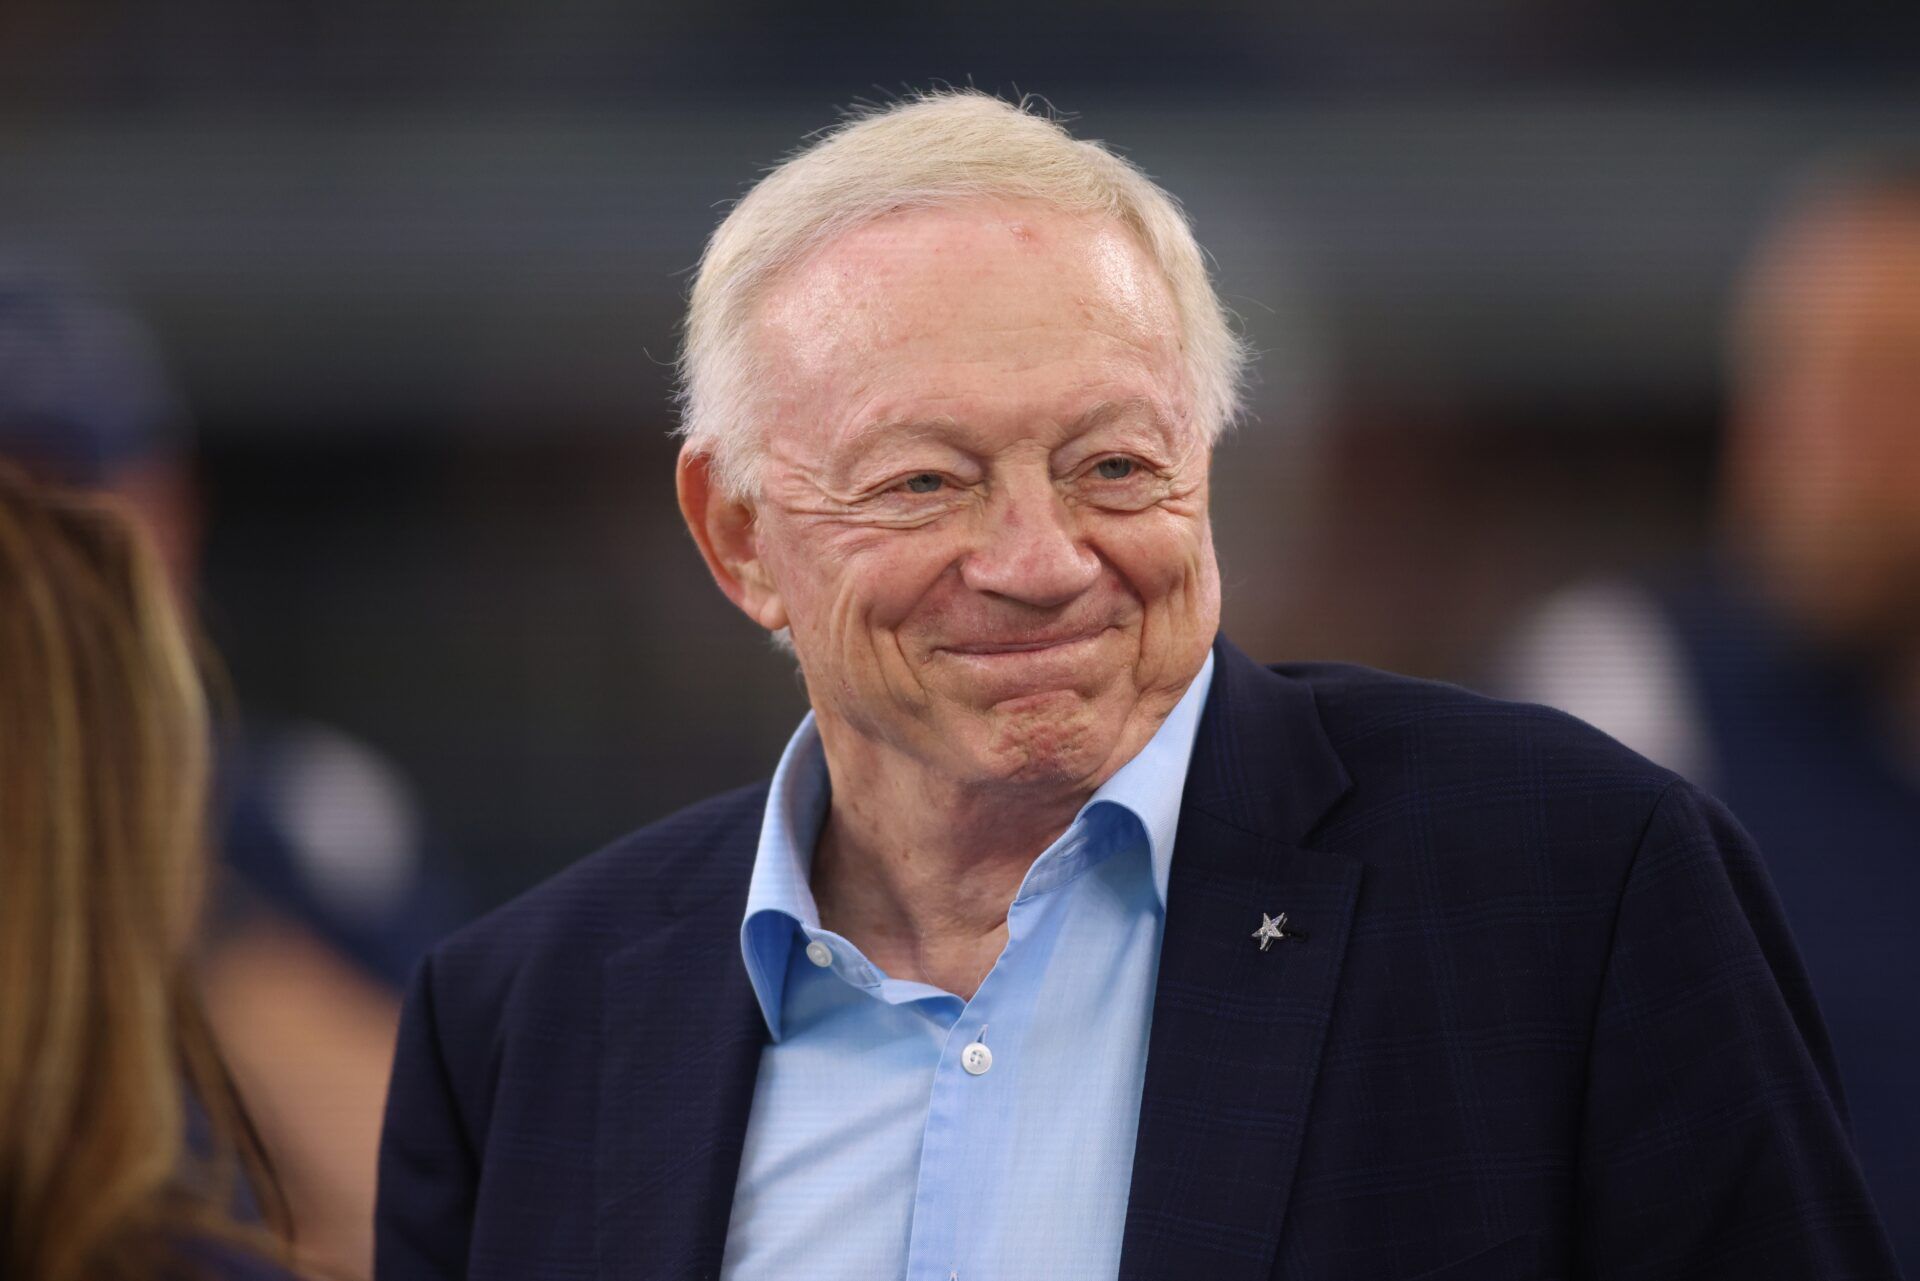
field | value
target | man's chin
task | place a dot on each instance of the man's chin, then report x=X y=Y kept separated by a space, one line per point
x=1044 y=736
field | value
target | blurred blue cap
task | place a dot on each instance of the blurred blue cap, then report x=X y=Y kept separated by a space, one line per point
x=83 y=392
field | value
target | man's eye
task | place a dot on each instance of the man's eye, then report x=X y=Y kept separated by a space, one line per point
x=1113 y=468
x=925 y=483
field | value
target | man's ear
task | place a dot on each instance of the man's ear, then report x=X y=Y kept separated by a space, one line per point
x=725 y=531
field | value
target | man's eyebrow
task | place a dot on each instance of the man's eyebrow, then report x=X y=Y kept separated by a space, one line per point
x=1109 y=411
x=863 y=435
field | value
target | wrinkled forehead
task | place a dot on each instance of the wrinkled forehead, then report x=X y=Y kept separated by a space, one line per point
x=973 y=284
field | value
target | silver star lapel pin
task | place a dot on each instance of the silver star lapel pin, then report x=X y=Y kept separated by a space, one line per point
x=1271 y=928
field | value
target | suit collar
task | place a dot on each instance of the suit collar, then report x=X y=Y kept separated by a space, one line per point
x=1263 y=761
x=1234 y=1051
x=680 y=1041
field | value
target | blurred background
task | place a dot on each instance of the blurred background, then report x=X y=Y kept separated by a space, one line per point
x=395 y=288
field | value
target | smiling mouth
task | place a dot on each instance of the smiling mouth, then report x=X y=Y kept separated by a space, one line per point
x=993 y=649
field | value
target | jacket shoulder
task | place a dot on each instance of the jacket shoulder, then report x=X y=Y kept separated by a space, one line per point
x=1363 y=709
x=1437 y=760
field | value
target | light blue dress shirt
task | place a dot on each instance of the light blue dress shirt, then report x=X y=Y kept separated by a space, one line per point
x=883 y=1142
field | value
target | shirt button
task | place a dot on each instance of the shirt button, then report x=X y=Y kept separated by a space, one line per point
x=976 y=1059
x=820 y=954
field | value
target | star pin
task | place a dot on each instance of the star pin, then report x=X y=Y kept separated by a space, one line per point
x=1271 y=928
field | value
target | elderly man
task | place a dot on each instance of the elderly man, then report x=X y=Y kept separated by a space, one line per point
x=1066 y=941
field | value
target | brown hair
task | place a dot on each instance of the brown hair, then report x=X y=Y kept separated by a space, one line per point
x=104 y=751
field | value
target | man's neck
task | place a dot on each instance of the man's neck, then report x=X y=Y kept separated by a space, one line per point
x=920 y=874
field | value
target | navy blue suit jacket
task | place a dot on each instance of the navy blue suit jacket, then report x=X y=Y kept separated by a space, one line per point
x=1544 y=1021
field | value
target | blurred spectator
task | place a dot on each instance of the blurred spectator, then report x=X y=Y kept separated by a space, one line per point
x=1785 y=675
x=121 y=1137
x=326 y=898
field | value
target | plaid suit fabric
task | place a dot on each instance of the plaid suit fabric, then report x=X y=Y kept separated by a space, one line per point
x=1540 y=1019
x=1572 y=1037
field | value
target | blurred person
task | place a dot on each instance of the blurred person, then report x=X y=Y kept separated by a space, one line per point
x=324 y=900
x=1066 y=941
x=1785 y=675
x=123 y=1146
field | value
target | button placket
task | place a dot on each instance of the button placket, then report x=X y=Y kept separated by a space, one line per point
x=955 y=1111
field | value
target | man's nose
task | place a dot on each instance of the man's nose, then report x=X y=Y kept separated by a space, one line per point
x=1029 y=549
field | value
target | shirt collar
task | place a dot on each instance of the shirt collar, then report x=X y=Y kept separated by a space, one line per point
x=780 y=899
x=1152 y=783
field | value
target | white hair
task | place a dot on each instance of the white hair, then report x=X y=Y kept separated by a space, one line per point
x=936 y=149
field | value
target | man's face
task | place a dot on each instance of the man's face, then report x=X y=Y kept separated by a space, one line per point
x=983 y=505
x=1825 y=462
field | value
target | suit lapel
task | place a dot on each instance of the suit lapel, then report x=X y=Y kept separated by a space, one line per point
x=680 y=1047
x=1237 y=1031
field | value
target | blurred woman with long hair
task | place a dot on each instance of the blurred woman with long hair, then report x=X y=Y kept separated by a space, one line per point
x=124 y=1151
